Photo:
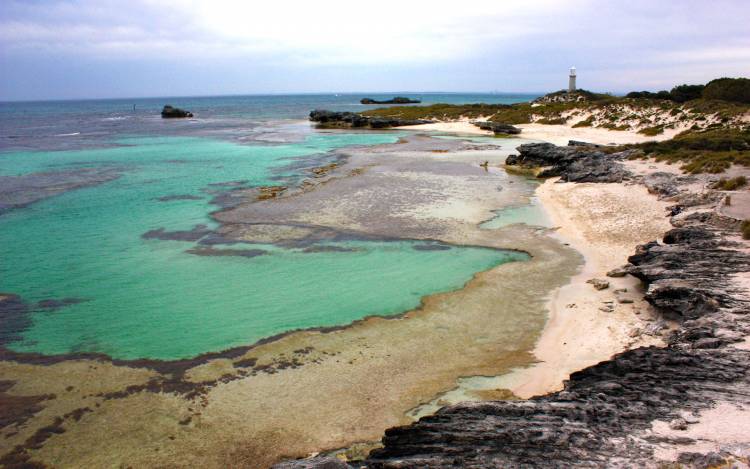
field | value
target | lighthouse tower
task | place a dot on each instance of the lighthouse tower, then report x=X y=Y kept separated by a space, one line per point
x=572 y=80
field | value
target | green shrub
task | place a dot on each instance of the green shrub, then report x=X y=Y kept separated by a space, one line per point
x=730 y=184
x=728 y=89
x=684 y=93
x=652 y=131
x=584 y=123
x=745 y=228
x=711 y=151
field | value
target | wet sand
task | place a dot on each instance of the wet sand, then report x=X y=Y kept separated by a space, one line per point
x=313 y=390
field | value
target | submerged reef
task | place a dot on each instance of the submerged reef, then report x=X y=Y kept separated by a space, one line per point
x=24 y=190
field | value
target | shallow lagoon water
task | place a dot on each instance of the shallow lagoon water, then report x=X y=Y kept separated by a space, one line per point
x=149 y=298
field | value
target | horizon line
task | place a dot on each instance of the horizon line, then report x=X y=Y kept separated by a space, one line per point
x=311 y=93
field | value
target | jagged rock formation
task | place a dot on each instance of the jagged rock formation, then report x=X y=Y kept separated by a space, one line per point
x=498 y=127
x=350 y=119
x=604 y=416
x=396 y=100
x=173 y=112
x=571 y=163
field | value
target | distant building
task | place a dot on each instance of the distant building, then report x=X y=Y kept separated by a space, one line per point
x=572 y=80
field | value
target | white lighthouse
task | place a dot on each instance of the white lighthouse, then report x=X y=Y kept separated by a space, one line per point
x=572 y=80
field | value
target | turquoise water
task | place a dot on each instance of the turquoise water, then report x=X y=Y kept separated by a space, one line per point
x=149 y=298
x=531 y=214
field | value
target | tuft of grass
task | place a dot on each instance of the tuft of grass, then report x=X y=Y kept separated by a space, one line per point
x=552 y=121
x=614 y=126
x=732 y=184
x=652 y=131
x=745 y=228
x=584 y=123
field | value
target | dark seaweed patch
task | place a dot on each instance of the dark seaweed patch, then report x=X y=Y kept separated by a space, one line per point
x=207 y=251
x=327 y=248
x=229 y=183
x=431 y=247
x=24 y=190
x=14 y=317
x=52 y=304
x=194 y=234
x=15 y=410
x=168 y=198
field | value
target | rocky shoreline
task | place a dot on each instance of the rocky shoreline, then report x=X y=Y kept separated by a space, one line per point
x=639 y=408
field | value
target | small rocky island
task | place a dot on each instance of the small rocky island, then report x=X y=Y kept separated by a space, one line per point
x=170 y=112
x=396 y=100
x=332 y=119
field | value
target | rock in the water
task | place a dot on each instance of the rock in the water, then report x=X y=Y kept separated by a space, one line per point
x=173 y=112
x=598 y=283
x=396 y=100
x=351 y=119
x=498 y=127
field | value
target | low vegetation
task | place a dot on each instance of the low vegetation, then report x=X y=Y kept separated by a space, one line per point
x=732 y=184
x=709 y=151
x=652 y=131
x=723 y=89
x=745 y=228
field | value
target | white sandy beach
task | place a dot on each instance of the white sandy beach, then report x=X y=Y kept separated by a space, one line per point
x=557 y=134
x=604 y=222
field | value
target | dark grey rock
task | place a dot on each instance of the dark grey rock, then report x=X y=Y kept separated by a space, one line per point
x=572 y=164
x=396 y=100
x=169 y=112
x=498 y=128
x=578 y=143
x=618 y=272
x=350 y=119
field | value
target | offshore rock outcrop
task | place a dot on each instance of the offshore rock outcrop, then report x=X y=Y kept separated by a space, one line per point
x=606 y=414
x=169 y=112
x=396 y=100
x=572 y=163
x=353 y=120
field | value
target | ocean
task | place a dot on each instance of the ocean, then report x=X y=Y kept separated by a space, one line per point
x=113 y=171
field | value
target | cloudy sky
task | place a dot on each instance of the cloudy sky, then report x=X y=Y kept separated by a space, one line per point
x=53 y=49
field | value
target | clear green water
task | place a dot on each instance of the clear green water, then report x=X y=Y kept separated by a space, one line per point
x=148 y=298
x=531 y=214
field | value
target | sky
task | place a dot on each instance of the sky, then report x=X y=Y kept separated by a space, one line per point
x=76 y=49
